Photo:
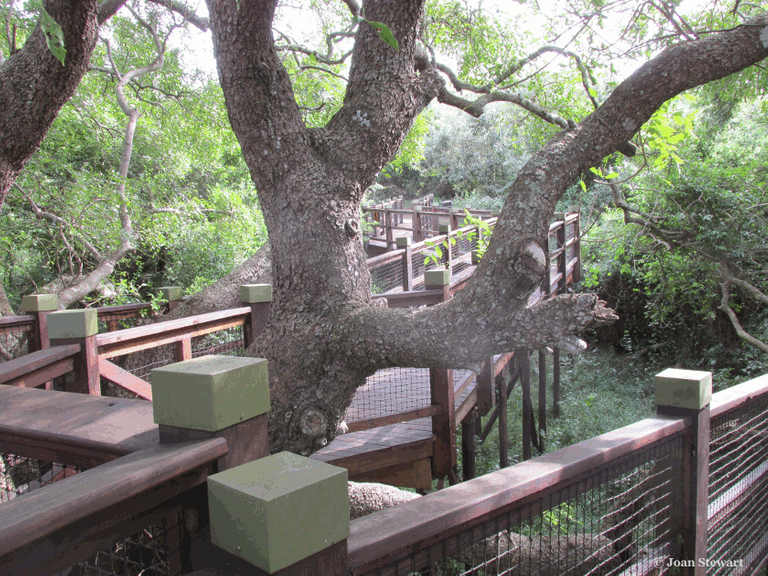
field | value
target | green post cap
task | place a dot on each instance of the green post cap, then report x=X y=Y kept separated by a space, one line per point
x=73 y=324
x=210 y=392
x=253 y=293
x=403 y=241
x=437 y=278
x=278 y=510
x=172 y=293
x=40 y=302
x=683 y=388
x=443 y=229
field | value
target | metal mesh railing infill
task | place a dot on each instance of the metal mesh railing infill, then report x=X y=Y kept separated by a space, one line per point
x=737 y=531
x=227 y=342
x=615 y=521
x=152 y=551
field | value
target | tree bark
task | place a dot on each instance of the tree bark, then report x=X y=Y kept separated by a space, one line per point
x=325 y=335
x=34 y=85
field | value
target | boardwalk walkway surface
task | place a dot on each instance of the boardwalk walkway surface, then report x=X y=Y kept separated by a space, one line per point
x=407 y=445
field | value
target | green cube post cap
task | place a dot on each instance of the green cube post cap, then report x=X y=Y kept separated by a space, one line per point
x=440 y=277
x=210 y=392
x=443 y=229
x=403 y=241
x=172 y=293
x=73 y=324
x=40 y=302
x=683 y=388
x=278 y=510
x=253 y=293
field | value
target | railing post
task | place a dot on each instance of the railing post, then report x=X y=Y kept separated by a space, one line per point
x=577 y=247
x=418 y=236
x=215 y=397
x=78 y=327
x=542 y=397
x=259 y=298
x=39 y=306
x=523 y=363
x=468 y=447
x=562 y=260
x=389 y=233
x=405 y=243
x=211 y=397
x=283 y=515
x=173 y=294
x=555 y=382
x=442 y=392
x=486 y=398
x=687 y=394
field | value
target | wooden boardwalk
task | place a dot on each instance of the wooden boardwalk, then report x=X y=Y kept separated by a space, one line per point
x=397 y=452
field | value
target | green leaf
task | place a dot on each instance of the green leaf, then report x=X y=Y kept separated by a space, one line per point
x=54 y=36
x=385 y=33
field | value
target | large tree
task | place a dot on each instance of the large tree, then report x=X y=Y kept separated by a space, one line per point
x=325 y=333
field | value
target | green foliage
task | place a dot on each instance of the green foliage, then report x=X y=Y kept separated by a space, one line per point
x=708 y=210
x=54 y=36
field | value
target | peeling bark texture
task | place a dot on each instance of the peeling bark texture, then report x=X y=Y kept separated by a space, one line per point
x=324 y=335
x=368 y=497
x=34 y=85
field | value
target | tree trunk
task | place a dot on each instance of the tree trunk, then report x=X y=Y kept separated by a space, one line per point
x=325 y=335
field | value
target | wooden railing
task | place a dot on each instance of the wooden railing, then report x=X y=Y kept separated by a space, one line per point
x=680 y=489
x=662 y=472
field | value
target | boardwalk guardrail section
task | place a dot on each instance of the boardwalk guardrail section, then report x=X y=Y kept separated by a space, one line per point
x=683 y=492
x=117 y=486
x=659 y=496
x=397 y=274
x=124 y=358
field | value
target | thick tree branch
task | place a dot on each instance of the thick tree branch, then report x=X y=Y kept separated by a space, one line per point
x=743 y=284
x=743 y=334
x=34 y=85
x=485 y=316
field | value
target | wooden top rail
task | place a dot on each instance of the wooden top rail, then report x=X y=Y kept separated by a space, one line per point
x=396 y=533
x=122 y=309
x=130 y=340
x=43 y=528
x=38 y=367
x=74 y=429
x=9 y=322
x=736 y=396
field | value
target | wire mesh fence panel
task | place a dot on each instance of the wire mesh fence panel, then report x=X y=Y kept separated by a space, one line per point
x=390 y=391
x=387 y=276
x=111 y=321
x=154 y=551
x=738 y=488
x=229 y=342
x=20 y=475
x=616 y=521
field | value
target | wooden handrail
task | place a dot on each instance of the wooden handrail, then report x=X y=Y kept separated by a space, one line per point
x=36 y=368
x=24 y=321
x=396 y=533
x=37 y=529
x=69 y=428
x=131 y=340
